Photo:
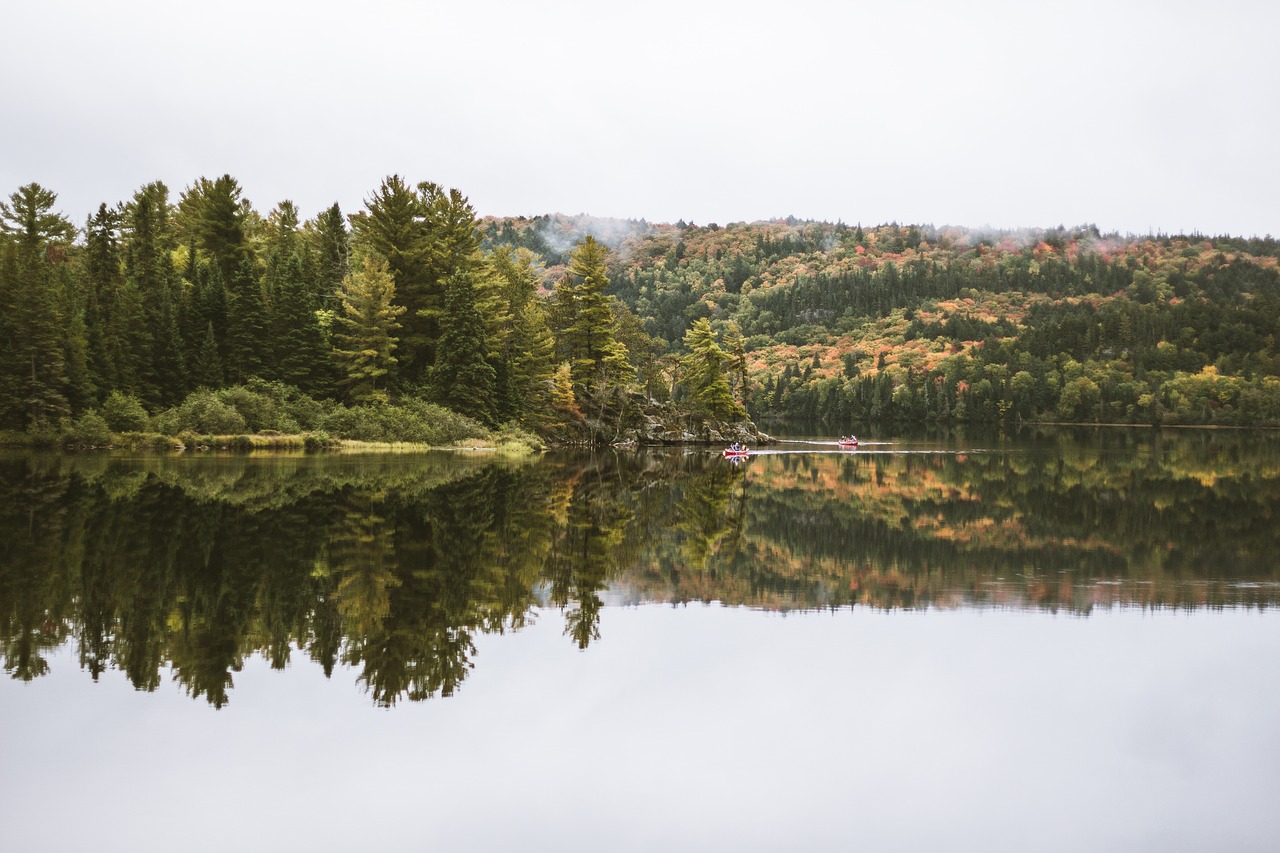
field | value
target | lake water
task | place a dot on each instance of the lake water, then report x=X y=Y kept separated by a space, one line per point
x=1048 y=640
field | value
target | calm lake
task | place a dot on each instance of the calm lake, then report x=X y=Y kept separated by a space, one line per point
x=1039 y=640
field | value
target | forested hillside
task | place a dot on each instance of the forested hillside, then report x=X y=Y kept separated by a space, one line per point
x=914 y=323
x=413 y=318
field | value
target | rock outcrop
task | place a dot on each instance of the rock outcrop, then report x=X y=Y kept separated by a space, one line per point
x=658 y=424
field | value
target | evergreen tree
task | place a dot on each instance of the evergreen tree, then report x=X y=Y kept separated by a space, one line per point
x=704 y=376
x=148 y=265
x=462 y=378
x=81 y=390
x=585 y=322
x=206 y=366
x=330 y=244
x=532 y=365
x=281 y=235
x=103 y=278
x=736 y=349
x=214 y=215
x=369 y=323
x=247 y=341
x=33 y=371
x=428 y=236
x=129 y=337
x=301 y=350
x=392 y=227
x=452 y=252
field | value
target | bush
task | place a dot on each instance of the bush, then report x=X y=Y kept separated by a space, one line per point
x=258 y=410
x=202 y=412
x=410 y=419
x=315 y=441
x=89 y=430
x=147 y=441
x=274 y=405
x=124 y=413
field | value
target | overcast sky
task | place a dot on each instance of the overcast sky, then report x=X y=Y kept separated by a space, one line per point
x=1134 y=116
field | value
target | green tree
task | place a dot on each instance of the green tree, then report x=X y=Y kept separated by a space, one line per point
x=703 y=373
x=104 y=275
x=247 y=343
x=206 y=365
x=586 y=332
x=463 y=379
x=300 y=347
x=452 y=253
x=331 y=245
x=213 y=213
x=33 y=369
x=392 y=227
x=159 y=378
x=369 y=321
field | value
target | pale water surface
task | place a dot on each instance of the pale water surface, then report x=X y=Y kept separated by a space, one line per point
x=1050 y=641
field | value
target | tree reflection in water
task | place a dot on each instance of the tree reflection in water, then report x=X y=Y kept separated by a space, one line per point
x=393 y=566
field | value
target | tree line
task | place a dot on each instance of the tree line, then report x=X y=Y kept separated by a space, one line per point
x=894 y=323
x=155 y=300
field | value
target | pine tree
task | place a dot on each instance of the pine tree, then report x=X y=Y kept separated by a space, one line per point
x=428 y=236
x=736 y=349
x=392 y=227
x=301 y=350
x=206 y=366
x=704 y=377
x=452 y=252
x=213 y=214
x=129 y=337
x=586 y=324
x=33 y=371
x=103 y=278
x=462 y=378
x=281 y=235
x=246 y=326
x=369 y=323
x=148 y=265
x=331 y=245
x=532 y=365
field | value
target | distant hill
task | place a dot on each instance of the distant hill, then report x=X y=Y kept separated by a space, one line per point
x=920 y=322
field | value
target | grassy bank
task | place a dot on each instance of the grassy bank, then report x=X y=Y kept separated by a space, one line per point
x=270 y=416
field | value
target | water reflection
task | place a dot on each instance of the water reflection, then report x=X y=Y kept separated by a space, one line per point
x=394 y=565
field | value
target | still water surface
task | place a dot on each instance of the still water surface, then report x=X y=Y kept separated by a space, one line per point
x=1050 y=640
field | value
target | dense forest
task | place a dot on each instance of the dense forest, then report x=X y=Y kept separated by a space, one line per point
x=415 y=319
x=916 y=323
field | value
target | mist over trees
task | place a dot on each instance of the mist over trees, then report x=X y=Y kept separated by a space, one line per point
x=173 y=304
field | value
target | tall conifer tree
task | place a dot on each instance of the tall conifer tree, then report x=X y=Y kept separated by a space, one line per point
x=587 y=336
x=246 y=326
x=369 y=322
x=34 y=377
x=462 y=378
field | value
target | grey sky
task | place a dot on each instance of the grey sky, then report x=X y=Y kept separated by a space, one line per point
x=1134 y=116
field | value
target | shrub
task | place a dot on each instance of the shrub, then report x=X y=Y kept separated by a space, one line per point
x=124 y=413
x=410 y=419
x=202 y=411
x=89 y=430
x=258 y=410
x=314 y=441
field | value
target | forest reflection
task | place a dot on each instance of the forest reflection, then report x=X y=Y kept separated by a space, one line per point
x=393 y=565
